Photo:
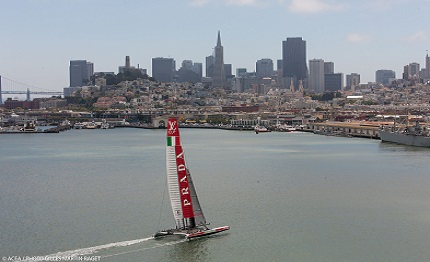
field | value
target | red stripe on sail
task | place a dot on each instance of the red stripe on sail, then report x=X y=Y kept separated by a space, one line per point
x=184 y=189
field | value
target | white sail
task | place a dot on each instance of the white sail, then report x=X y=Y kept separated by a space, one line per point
x=172 y=182
x=189 y=218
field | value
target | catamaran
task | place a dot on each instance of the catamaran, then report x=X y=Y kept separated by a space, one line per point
x=189 y=218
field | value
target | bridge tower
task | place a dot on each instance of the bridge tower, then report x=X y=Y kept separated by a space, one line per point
x=28 y=94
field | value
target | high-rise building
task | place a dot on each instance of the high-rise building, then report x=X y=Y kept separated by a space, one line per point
x=264 y=67
x=294 y=59
x=210 y=63
x=352 y=80
x=333 y=82
x=384 y=76
x=163 y=69
x=218 y=79
x=427 y=66
x=316 y=75
x=240 y=72
x=413 y=69
x=190 y=72
x=80 y=72
x=227 y=70
x=328 y=67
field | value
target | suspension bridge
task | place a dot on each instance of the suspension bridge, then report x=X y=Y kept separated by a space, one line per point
x=9 y=86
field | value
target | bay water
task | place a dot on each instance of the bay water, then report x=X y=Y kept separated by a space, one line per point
x=102 y=194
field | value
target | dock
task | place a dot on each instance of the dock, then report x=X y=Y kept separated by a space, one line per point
x=349 y=129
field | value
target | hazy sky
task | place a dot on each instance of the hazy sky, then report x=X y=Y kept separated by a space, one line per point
x=38 y=38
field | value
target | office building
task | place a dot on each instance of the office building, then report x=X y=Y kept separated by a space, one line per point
x=294 y=59
x=333 y=82
x=384 y=76
x=427 y=66
x=352 y=80
x=80 y=72
x=316 y=75
x=241 y=72
x=413 y=70
x=210 y=63
x=328 y=67
x=163 y=69
x=264 y=68
x=190 y=72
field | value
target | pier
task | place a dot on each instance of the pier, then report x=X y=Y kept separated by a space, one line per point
x=352 y=129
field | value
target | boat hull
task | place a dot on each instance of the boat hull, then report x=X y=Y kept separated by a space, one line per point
x=207 y=232
x=192 y=234
x=404 y=139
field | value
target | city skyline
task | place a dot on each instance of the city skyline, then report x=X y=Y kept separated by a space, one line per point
x=358 y=38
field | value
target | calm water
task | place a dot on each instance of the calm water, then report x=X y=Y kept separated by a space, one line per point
x=286 y=196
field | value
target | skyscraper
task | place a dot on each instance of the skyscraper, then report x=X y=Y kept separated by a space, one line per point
x=163 y=69
x=264 y=68
x=427 y=66
x=218 y=79
x=80 y=72
x=328 y=68
x=210 y=62
x=384 y=76
x=316 y=75
x=352 y=80
x=333 y=82
x=294 y=59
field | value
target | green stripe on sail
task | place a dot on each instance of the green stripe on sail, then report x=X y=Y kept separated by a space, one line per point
x=170 y=141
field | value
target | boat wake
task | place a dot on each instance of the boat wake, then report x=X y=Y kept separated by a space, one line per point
x=92 y=250
x=77 y=254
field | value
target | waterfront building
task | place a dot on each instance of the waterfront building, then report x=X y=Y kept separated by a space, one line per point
x=384 y=76
x=80 y=72
x=264 y=68
x=218 y=79
x=333 y=82
x=163 y=69
x=316 y=75
x=294 y=59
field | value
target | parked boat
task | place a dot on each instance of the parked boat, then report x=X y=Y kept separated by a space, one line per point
x=408 y=135
x=90 y=125
x=105 y=124
x=260 y=129
x=78 y=125
x=189 y=218
x=29 y=127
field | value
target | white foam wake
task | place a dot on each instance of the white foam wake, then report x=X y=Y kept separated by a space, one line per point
x=92 y=250
x=72 y=254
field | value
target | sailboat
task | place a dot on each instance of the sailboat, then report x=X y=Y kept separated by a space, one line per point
x=189 y=218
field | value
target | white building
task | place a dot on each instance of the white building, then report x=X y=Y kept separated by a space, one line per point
x=316 y=75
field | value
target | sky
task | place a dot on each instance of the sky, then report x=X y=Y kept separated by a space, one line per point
x=38 y=38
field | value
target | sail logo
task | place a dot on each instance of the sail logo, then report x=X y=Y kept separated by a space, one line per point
x=172 y=127
x=184 y=190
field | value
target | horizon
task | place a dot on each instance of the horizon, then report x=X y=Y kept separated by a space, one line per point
x=357 y=37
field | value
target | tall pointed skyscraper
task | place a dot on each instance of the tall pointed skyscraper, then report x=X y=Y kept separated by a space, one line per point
x=218 y=79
